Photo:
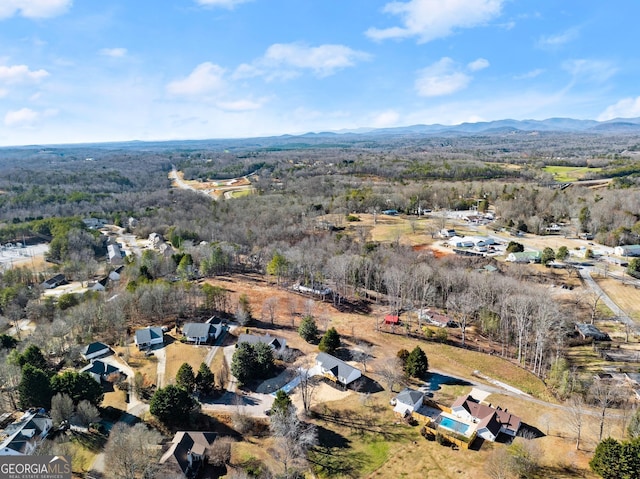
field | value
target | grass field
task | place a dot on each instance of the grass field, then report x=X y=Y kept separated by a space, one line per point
x=179 y=353
x=625 y=296
x=566 y=174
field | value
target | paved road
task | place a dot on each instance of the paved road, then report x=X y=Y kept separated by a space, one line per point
x=621 y=316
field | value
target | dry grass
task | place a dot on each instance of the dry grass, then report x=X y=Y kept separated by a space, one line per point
x=179 y=353
x=625 y=296
x=146 y=365
x=115 y=399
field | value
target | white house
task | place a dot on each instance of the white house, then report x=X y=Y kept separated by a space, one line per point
x=490 y=421
x=201 y=332
x=114 y=254
x=627 y=250
x=100 y=371
x=22 y=437
x=149 y=336
x=277 y=344
x=408 y=401
x=95 y=350
x=337 y=370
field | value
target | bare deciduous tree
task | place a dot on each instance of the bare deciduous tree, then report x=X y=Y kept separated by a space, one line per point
x=604 y=395
x=293 y=438
x=132 y=451
x=61 y=408
x=391 y=372
x=575 y=418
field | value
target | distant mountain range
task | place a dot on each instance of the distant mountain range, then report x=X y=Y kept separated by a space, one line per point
x=617 y=126
x=565 y=125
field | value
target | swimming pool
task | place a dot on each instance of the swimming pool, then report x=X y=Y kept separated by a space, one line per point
x=454 y=425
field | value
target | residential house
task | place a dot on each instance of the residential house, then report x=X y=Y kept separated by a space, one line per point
x=447 y=233
x=201 y=332
x=337 y=370
x=460 y=242
x=407 y=402
x=525 y=257
x=114 y=254
x=490 y=421
x=22 y=437
x=189 y=450
x=101 y=371
x=277 y=344
x=436 y=319
x=149 y=336
x=100 y=285
x=54 y=282
x=586 y=330
x=95 y=350
x=116 y=273
x=627 y=250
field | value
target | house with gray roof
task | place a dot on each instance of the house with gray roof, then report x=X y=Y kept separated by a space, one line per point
x=22 y=437
x=188 y=452
x=201 y=332
x=277 y=344
x=407 y=402
x=149 y=336
x=337 y=370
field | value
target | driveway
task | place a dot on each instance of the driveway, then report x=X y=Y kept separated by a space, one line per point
x=252 y=404
x=161 y=355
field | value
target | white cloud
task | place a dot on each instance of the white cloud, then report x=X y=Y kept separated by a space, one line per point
x=529 y=74
x=559 y=39
x=22 y=117
x=221 y=3
x=240 y=105
x=590 y=70
x=20 y=73
x=114 y=52
x=287 y=60
x=385 y=119
x=477 y=65
x=625 y=108
x=206 y=78
x=34 y=8
x=431 y=19
x=444 y=77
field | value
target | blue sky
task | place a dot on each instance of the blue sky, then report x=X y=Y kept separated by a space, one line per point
x=110 y=70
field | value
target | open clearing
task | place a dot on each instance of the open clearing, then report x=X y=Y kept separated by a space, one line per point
x=566 y=174
x=625 y=296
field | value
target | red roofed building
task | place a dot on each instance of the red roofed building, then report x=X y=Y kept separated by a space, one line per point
x=391 y=319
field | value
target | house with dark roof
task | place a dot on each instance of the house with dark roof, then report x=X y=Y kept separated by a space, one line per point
x=436 y=319
x=149 y=336
x=408 y=401
x=188 y=452
x=490 y=421
x=337 y=370
x=586 y=331
x=22 y=437
x=277 y=344
x=95 y=350
x=100 y=371
x=201 y=332
x=54 y=282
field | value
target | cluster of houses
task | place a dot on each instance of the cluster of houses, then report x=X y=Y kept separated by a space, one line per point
x=22 y=437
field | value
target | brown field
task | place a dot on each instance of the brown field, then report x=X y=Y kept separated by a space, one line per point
x=625 y=296
x=179 y=353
